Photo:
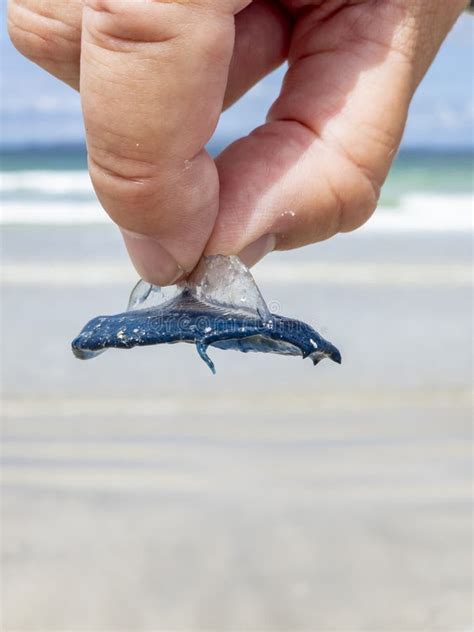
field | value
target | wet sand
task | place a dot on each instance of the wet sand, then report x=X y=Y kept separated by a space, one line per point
x=142 y=493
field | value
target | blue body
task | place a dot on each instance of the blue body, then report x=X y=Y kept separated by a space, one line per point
x=186 y=319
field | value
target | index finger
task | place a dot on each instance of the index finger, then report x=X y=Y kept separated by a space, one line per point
x=153 y=78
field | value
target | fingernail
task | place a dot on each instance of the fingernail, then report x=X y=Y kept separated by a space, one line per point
x=252 y=253
x=153 y=263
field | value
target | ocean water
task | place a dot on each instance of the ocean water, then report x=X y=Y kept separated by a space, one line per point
x=425 y=191
x=137 y=487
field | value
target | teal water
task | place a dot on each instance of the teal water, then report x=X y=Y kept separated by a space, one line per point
x=414 y=171
x=60 y=158
x=435 y=172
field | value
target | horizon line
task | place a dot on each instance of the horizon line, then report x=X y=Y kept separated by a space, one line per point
x=9 y=147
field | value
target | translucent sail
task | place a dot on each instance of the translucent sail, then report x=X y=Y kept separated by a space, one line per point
x=227 y=282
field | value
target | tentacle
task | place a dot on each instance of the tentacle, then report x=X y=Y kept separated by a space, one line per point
x=201 y=349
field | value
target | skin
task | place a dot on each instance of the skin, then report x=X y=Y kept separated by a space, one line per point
x=155 y=75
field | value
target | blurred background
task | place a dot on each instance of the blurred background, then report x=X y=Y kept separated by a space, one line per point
x=142 y=493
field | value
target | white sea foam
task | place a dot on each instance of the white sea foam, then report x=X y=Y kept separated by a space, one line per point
x=51 y=213
x=45 y=182
x=67 y=197
x=419 y=212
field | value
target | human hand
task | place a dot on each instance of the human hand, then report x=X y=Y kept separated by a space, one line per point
x=154 y=76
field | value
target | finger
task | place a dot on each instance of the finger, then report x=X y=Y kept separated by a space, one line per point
x=262 y=37
x=48 y=33
x=316 y=167
x=153 y=77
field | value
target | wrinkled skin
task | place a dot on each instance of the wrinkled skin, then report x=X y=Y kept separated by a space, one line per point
x=155 y=75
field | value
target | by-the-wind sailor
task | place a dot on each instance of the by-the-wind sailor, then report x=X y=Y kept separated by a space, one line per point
x=219 y=305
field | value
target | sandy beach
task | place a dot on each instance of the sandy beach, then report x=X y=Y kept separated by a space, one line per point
x=142 y=493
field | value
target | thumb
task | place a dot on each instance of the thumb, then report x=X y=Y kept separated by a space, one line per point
x=153 y=78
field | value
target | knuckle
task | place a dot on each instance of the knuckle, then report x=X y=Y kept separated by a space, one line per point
x=119 y=27
x=365 y=193
x=40 y=36
x=32 y=45
x=117 y=176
